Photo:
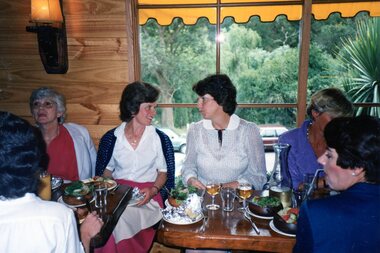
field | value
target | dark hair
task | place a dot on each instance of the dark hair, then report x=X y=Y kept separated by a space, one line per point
x=357 y=142
x=20 y=154
x=220 y=87
x=330 y=100
x=134 y=94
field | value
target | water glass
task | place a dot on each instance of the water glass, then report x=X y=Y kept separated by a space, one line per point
x=100 y=195
x=228 y=198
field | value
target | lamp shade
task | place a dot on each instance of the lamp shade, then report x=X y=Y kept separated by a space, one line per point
x=46 y=11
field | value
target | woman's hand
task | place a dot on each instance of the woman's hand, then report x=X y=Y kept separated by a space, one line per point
x=233 y=184
x=149 y=193
x=196 y=183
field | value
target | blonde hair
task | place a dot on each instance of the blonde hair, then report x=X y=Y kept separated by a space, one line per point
x=330 y=100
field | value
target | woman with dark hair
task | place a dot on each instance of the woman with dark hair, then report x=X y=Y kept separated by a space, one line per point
x=71 y=152
x=307 y=142
x=50 y=226
x=139 y=155
x=222 y=147
x=349 y=221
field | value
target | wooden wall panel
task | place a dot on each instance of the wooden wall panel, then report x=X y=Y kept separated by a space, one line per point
x=98 y=62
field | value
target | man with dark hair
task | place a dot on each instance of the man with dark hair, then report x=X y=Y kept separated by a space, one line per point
x=27 y=223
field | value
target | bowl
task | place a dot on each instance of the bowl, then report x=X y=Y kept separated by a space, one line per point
x=174 y=202
x=281 y=224
x=264 y=206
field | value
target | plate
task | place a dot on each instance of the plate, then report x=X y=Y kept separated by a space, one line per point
x=259 y=216
x=272 y=226
x=60 y=200
x=183 y=221
x=134 y=201
x=112 y=183
x=56 y=182
x=167 y=203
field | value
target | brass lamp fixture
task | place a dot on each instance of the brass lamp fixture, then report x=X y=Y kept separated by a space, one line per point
x=49 y=24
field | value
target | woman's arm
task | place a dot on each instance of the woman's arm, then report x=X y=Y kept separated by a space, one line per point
x=256 y=170
x=189 y=168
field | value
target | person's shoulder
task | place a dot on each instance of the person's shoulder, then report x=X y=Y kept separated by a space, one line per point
x=75 y=127
x=248 y=124
x=51 y=208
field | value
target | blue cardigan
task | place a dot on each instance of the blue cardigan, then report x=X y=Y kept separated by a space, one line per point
x=107 y=144
x=344 y=223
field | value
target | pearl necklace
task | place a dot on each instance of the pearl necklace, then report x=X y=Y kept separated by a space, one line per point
x=308 y=131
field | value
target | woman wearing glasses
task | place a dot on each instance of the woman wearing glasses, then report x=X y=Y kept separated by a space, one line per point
x=71 y=152
x=222 y=147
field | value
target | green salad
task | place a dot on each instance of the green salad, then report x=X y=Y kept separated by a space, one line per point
x=266 y=201
x=180 y=192
x=77 y=189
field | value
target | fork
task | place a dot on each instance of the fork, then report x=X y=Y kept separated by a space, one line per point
x=246 y=215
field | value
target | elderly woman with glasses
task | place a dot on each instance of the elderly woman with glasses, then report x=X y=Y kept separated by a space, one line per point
x=71 y=152
x=307 y=142
x=222 y=147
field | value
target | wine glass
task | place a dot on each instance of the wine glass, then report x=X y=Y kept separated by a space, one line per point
x=213 y=189
x=244 y=192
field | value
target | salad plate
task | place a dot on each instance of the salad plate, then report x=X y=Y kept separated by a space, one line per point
x=111 y=184
x=182 y=220
x=273 y=227
x=60 y=200
x=259 y=216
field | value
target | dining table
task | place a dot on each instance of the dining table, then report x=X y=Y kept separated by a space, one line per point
x=117 y=201
x=226 y=230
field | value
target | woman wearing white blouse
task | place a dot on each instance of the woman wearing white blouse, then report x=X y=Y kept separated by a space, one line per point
x=222 y=147
x=133 y=154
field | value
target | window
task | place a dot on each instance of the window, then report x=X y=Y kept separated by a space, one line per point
x=176 y=52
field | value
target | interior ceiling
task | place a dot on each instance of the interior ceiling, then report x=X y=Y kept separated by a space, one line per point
x=164 y=11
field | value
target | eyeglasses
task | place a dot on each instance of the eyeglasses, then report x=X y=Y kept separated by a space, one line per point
x=203 y=100
x=46 y=105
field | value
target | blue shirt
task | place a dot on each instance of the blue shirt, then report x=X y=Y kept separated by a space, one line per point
x=301 y=156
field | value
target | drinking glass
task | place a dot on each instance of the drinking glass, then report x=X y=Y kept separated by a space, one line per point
x=213 y=189
x=100 y=195
x=44 y=187
x=244 y=192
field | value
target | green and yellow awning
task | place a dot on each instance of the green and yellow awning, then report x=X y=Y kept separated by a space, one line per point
x=164 y=11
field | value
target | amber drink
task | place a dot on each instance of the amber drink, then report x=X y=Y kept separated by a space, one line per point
x=213 y=189
x=244 y=191
x=44 y=187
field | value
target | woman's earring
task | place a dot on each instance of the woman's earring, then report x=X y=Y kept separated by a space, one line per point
x=353 y=174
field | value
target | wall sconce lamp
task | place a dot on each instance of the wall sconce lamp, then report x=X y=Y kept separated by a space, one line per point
x=49 y=24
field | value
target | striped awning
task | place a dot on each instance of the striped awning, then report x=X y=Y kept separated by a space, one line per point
x=164 y=11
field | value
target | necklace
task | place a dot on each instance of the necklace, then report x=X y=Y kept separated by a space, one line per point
x=134 y=139
x=308 y=131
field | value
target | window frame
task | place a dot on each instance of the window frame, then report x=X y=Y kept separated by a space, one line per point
x=134 y=68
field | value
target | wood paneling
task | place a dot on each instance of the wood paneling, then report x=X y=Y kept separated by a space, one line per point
x=98 y=62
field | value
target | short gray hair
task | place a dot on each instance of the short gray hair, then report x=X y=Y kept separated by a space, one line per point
x=55 y=96
x=330 y=100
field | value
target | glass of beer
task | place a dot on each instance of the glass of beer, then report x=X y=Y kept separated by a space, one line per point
x=44 y=186
x=213 y=189
x=244 y=191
